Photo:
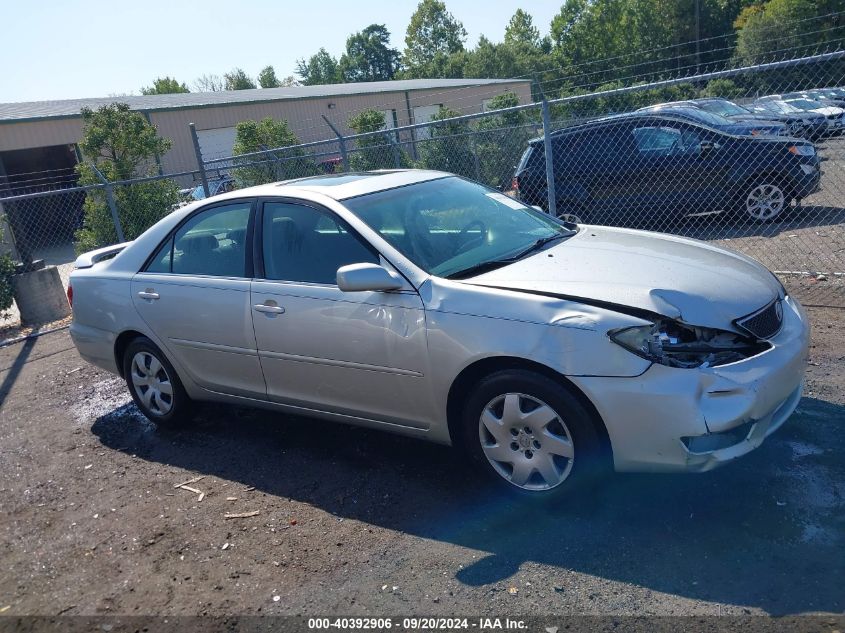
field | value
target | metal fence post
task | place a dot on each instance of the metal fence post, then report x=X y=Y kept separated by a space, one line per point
x=341 y=141
x=550 y=171
x=200 y=163
x=112 y=204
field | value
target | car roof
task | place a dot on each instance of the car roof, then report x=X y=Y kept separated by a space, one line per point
x=645 y=116
x=340 y=186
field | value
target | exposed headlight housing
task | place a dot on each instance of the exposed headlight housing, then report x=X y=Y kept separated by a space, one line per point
x=803 y=150
x=676 y=344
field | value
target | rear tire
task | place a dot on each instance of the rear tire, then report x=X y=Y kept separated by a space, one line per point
x=531 y=436
x=154 y=385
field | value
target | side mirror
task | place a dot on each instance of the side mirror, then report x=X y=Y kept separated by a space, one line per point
x=367 y=277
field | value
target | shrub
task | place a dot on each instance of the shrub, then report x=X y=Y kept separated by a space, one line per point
x=284 y=164
x=376 y=151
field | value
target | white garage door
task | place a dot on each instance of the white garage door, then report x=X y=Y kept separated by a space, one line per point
x=216 y=143
x=423 y=114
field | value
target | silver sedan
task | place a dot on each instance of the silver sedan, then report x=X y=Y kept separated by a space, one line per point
x=421 y=303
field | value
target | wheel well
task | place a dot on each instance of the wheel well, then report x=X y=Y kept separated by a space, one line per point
x=473 y=373
x=120 y=346
x=784 y=180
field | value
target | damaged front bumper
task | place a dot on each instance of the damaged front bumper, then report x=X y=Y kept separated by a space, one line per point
x=671 y=419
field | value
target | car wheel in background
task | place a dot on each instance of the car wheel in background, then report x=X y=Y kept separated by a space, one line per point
x=154 y=385
x=530 y=435
x=764 y=201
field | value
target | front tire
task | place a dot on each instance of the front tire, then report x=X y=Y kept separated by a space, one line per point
x=764 y=201
x=530 y=435
x=154 y=385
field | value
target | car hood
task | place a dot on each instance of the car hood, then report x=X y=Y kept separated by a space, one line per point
x=677 y=277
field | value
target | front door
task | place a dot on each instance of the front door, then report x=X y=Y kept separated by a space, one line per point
x=194 y=295
x=356 y=353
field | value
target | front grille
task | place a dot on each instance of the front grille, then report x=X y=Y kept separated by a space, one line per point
x=764 y=323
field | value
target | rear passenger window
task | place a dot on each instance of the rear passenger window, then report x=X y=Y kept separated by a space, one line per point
x=306 y=245
x=213 y=242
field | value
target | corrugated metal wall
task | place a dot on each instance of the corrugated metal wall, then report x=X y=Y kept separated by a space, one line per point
x=304 y=116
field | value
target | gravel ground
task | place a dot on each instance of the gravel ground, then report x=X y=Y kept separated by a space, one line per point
x=353 y=521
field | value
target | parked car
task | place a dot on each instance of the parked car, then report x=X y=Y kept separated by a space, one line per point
x=835 y=116
x=641 y=164
x=818 y=122
x=216 y=186
x=826 y=99
x=798 y=123
x=751 y=127
x=421 y=303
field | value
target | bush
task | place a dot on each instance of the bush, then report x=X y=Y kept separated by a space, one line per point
x=284 y=164
x=7 y=269
x=723 y=88
x=121 y=145
x=376 y=151
x=449 y=148
x=502 y=140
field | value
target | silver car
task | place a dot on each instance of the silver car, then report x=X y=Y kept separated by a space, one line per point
x=421 y=303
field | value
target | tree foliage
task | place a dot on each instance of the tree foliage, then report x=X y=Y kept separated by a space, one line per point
x=121 y=145
x=433 y=35
x=449 y=146
x=237 y=79
x=770 y=31
x=280 y=164
x=501 y=141
x=377 y=151
x=7 y=269
x=320 y=68
x=368 y=56
x=267 y=78
x=164 y=86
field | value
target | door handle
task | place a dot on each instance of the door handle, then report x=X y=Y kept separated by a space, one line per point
x=149 y=294
x=268 y=309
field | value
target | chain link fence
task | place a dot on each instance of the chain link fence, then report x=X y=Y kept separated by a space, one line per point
x=749 y=158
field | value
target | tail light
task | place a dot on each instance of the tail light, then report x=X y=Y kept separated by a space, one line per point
x=70 y=296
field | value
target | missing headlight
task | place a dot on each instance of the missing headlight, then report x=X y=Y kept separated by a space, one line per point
x=677 y=344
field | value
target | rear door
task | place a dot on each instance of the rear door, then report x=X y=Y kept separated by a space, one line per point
x=355 y=353
x=194 y=295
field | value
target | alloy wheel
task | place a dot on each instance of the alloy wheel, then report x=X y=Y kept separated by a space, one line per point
x=765 y=202
x=526 y=441
x=151 y=383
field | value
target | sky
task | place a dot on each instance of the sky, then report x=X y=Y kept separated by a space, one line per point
x=96 y=48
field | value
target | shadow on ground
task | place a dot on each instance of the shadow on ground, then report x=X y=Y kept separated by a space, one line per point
x=766 y=531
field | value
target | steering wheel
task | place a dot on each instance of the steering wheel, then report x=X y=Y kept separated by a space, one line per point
x=473 y=241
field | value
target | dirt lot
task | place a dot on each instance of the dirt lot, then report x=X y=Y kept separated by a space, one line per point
x=352 y=521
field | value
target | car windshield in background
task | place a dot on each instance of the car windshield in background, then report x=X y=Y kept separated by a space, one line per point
x=805 y=104
x=450 y=227
x=723 y=108
x=777 y=106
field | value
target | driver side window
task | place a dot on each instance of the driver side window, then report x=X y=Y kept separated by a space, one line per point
x=303 y=244
x=657 y=141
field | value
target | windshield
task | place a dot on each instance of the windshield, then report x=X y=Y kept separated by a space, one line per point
x=805 y=104
x=776 y=106
x=702 y=116
x=724 y=108
x=451 y=225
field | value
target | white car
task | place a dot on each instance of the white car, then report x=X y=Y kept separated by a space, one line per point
x=421 y=303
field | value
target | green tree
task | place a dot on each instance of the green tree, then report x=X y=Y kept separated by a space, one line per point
x=433 y=35
x=501 y=141
x=449 y=146
x=7 y=269
x=122 y=145
x=770 y=31
x=164 y=86
x=368 y=56
x=376 y=151
x=491 y=61
x=237 y=79
x=267 y=78
x=279 y=164
x=521 y=31
x=320 y=68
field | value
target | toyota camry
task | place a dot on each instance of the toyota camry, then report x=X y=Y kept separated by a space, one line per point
x=421 y=303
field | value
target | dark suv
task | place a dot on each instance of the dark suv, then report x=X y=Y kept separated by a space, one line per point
x=612 y=169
